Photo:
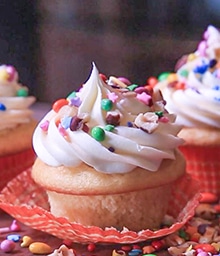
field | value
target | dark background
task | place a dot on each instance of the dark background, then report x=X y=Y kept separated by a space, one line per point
x=52 y=43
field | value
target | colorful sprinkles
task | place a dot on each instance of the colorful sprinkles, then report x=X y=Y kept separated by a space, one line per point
x=10 y=87
x=120 y=90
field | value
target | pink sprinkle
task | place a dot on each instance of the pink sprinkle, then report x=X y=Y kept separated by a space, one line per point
x=144 y=97
x=218 y=73
x=164 y=119
x=206 y=35
x=11 y=71
x=202 y=48
x=124 y=80
x=44 y=126
x=112 y=96
x=15 y=226
x=4 y=230
x=62 y=130
x=7 y=246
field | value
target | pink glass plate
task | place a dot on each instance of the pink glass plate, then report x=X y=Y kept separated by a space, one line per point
x=27 y=202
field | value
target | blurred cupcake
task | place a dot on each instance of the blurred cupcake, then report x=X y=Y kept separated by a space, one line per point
x=193 y=94
x=16 y=125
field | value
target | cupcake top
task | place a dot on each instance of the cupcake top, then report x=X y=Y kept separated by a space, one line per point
x=193 y=92
x=14 y=99
x=109 y=124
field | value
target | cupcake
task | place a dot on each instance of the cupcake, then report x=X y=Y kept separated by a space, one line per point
x=192 y=92
x=16 y=126
x=107 y=155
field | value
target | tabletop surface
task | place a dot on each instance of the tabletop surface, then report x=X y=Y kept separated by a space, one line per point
x=38 y=236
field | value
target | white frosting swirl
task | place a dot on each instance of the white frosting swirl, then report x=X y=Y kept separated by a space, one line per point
x=124 y=146
x=14 y=102
x=197 y=104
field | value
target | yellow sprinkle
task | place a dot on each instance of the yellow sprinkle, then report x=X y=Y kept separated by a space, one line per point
x=26 y=241
x=40 y=248
x=172 y=77
x=4 y=75
x=189 y=248
x=191 y=57
x=216 y=246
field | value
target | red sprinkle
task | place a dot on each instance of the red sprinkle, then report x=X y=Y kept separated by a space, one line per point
x=59 y=104
x=158 y=245
x=208 y=198
x=103 y=77
x=206 y=248
x=217 y=208
x=126 y=248
x=91 y=247
x=180 y=86
x=135 y=246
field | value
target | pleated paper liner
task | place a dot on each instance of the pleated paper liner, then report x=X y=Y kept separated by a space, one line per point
x=13 y=164
x=203 y=165
x=27 y=202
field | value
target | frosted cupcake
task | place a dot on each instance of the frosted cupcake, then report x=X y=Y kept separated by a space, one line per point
x=107 y=155
x=16 y=125
x=193 y=94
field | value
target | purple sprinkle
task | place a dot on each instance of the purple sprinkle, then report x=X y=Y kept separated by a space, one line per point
x=129 y=124
x=75 y=101
x=111 y=149
x=212 y=63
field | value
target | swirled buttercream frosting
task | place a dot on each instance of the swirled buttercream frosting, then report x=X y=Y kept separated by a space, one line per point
x=14 y=99
x=193 y=92
x=109 y=124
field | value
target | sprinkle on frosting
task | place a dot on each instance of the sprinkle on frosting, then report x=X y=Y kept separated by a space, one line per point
x=106 y=104
x=2 y=107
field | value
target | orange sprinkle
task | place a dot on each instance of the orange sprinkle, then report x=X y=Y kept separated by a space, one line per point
x=59 y=104
x=172 y=77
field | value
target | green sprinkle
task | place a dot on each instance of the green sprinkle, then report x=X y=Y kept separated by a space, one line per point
x=163 y=76
x=159 y=113
x=149 y=254
x=98 y=133
x=106 y=104
x=22 y=92
x=71 y=95
x=109 y=127
x=132 y=87
x=183 y=234
x=184 y=73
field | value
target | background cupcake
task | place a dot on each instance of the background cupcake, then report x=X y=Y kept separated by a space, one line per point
x=16 y=125
x=193 y=94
